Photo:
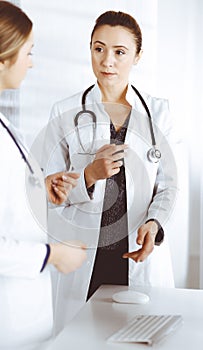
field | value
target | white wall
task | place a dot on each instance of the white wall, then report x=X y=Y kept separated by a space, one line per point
x=180 y=57
x=62 y=56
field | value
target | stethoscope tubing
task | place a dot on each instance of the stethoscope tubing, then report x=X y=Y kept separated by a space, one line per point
x=153 y=154
x=18 y=146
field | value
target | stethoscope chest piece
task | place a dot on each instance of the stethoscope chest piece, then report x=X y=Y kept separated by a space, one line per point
x=153 y=155
x=34 y=181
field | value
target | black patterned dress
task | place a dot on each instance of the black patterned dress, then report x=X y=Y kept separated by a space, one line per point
x=109 y=266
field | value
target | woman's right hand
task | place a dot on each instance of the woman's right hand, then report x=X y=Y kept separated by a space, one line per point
x=67 y=256
x=107 y=163
x=59 y=185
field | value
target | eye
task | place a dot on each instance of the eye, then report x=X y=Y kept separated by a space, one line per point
x=99 y=49
x=30 y=54
x=120 y=52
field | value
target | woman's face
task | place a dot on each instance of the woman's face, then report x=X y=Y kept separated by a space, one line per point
x=13 y=73
x=113 y=53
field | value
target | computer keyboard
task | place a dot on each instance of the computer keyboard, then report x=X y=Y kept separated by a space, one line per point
x=147 y=329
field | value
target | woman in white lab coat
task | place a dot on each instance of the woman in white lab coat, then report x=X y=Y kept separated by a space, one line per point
x=26 y=316
x=122 y=218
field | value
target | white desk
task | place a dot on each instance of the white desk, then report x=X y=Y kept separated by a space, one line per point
x=100 y=317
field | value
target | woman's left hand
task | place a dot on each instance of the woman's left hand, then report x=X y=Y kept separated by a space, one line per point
x=59 y=185
x=146 y=238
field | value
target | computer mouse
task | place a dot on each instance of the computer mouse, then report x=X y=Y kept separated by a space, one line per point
x=130 y=297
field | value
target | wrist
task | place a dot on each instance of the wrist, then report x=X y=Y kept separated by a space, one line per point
x=89 y=178
x=154 y=228
x=53 y=254
x=159 y=238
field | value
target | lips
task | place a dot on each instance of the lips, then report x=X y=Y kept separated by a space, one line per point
x=108 y=74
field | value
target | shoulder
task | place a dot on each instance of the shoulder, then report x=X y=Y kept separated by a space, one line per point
x=156 y=103
x=160 y=114
x=158 y=107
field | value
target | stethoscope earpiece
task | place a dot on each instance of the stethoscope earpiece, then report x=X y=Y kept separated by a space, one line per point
x=154 y=155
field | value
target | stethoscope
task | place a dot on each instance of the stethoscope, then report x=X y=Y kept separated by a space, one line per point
x=32 y=178
x=153 y=153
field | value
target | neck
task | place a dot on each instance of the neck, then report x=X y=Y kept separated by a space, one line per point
x=114 y=94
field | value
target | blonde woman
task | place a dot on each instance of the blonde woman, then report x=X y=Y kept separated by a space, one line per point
x=26 y=317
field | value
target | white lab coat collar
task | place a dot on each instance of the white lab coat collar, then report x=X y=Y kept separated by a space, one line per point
x=96 y=96
x=134 y=100
x=96 y=93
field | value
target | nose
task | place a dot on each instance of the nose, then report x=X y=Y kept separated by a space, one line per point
x=108 y=59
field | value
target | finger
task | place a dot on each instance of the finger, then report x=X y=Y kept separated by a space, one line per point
x=117 y=164
x=69 y=180
x=71 y=175
x=110 y=150
x=133 y=255
x=62 y=189
x=141 y=233
x=58 y=197
x=62 y=185
x=65 y=183
x=146 y=249
x=118 y=148
x=118 y=157
x=115 y=171
x=138 y=256
x=104 y=147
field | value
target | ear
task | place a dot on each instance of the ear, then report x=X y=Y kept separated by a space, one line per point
x=137 y=57
x=2 y=65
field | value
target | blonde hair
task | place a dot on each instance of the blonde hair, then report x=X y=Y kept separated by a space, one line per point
x=15 y=27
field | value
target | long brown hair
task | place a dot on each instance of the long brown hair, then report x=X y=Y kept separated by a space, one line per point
x=15 y=27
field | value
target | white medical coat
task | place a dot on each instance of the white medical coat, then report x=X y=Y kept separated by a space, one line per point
x=25 y=294
x=151 y=187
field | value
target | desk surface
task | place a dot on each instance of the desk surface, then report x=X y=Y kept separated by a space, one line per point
x=101 y=317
